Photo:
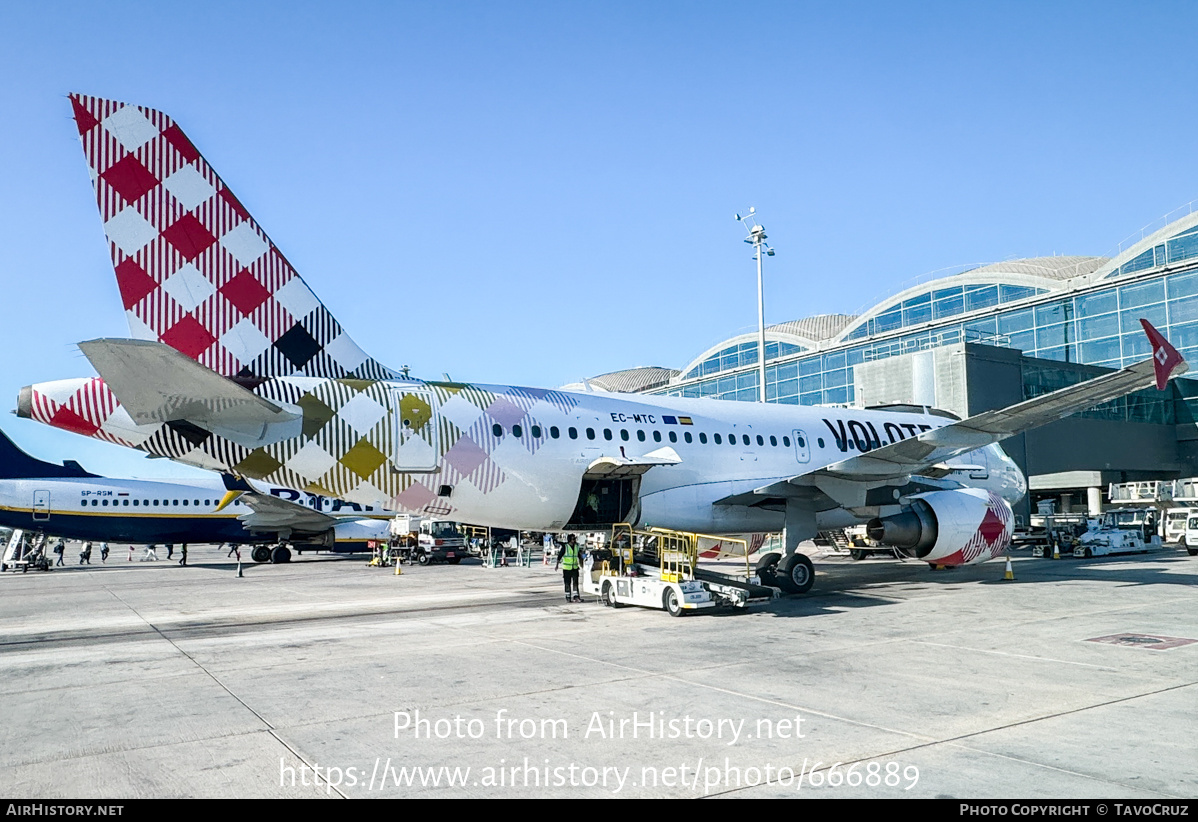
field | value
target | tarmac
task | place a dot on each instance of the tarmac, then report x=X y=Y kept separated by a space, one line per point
x=327 y=678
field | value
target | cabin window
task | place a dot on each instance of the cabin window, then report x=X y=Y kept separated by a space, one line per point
x=745 y=437
x=760 y=440
x=590 y=433
x=607 y=433
x=674 y=437
x=640 y=435
x=573 y=432
x=536 y=431
x=624 y=434
x=718 y=439
x=497 y=430
x=773 y=441
x=657 y=436
x=517 y=431
x=553 y=432
x=702 y=438
x=786 y=441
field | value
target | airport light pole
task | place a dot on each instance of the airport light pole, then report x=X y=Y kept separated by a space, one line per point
x=757 y=239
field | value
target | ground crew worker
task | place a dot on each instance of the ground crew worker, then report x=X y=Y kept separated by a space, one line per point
x=570 y=560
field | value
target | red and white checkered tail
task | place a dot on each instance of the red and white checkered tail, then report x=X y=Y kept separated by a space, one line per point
x=194 y=269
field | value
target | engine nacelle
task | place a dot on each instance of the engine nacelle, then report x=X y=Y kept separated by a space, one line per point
x=959 y=527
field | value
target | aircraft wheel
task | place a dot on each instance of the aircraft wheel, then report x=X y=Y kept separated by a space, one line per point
x=857 y=554
x=798 y=574
x=673 y=603
x=280 y=555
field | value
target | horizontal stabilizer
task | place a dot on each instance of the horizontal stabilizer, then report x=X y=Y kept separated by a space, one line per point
x=157 y=384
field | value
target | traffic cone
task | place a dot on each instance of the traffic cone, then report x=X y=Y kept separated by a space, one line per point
x=398 y=570
x=1056 y=549
x=1010 y=572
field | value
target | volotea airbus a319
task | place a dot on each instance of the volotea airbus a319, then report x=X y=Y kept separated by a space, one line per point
x=236 y=366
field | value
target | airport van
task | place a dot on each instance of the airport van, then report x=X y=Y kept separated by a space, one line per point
x=1175 y=525
x=1191 y=537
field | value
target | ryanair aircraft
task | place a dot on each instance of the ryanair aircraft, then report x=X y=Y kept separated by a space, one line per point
x=67 y=501
x=236 y=366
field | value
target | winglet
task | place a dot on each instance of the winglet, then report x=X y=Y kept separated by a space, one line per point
x=234 y=488
x=1165 y=357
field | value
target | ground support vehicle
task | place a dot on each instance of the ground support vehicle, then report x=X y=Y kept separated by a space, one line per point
x=1119 y=531
x=658 y=569
x=21 y=553
x=1190 y=540
x=424 y=540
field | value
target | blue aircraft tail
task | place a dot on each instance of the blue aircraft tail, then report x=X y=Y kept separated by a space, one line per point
x=16 y=464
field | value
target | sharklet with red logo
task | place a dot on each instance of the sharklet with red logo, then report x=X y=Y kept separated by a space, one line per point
x=1165 y=358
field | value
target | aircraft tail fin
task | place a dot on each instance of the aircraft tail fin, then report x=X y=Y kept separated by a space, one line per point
x=194 y=269
x=1165 y=358
x=16 y=464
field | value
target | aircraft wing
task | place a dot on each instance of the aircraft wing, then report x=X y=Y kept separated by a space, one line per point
x=270 y=513
x=157 y=384
x=927 y=451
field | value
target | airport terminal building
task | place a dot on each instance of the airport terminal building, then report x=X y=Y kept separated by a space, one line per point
x=990 y=336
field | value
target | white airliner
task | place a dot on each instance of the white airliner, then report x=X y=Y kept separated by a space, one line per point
x=67 y=501
x=236 y=366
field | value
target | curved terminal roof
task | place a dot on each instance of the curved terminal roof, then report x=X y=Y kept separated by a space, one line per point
x=817 y=329
x=980 y=289
x=1051 y=268
x=629 y=380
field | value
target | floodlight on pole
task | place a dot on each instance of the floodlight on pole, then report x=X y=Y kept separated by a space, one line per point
x=757 y=239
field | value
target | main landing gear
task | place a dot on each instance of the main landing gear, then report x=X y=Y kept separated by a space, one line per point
x=794 y=574
x=266 y=553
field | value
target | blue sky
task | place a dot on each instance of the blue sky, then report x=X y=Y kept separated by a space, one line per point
x=533 y=193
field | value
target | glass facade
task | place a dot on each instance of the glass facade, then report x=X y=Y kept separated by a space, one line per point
x=740 y=356
x=1097 y=326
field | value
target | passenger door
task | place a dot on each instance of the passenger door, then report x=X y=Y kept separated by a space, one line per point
x=41 y=506
x=414 y=416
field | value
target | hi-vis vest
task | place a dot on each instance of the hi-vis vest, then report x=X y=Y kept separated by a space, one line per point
x=570 y=557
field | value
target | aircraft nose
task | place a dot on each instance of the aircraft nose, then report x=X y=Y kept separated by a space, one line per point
x=25 y=403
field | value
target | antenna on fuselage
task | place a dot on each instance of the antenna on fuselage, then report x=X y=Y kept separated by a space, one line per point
x=757 y=239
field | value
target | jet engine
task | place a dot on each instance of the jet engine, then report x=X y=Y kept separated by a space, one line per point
x=960 y=527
